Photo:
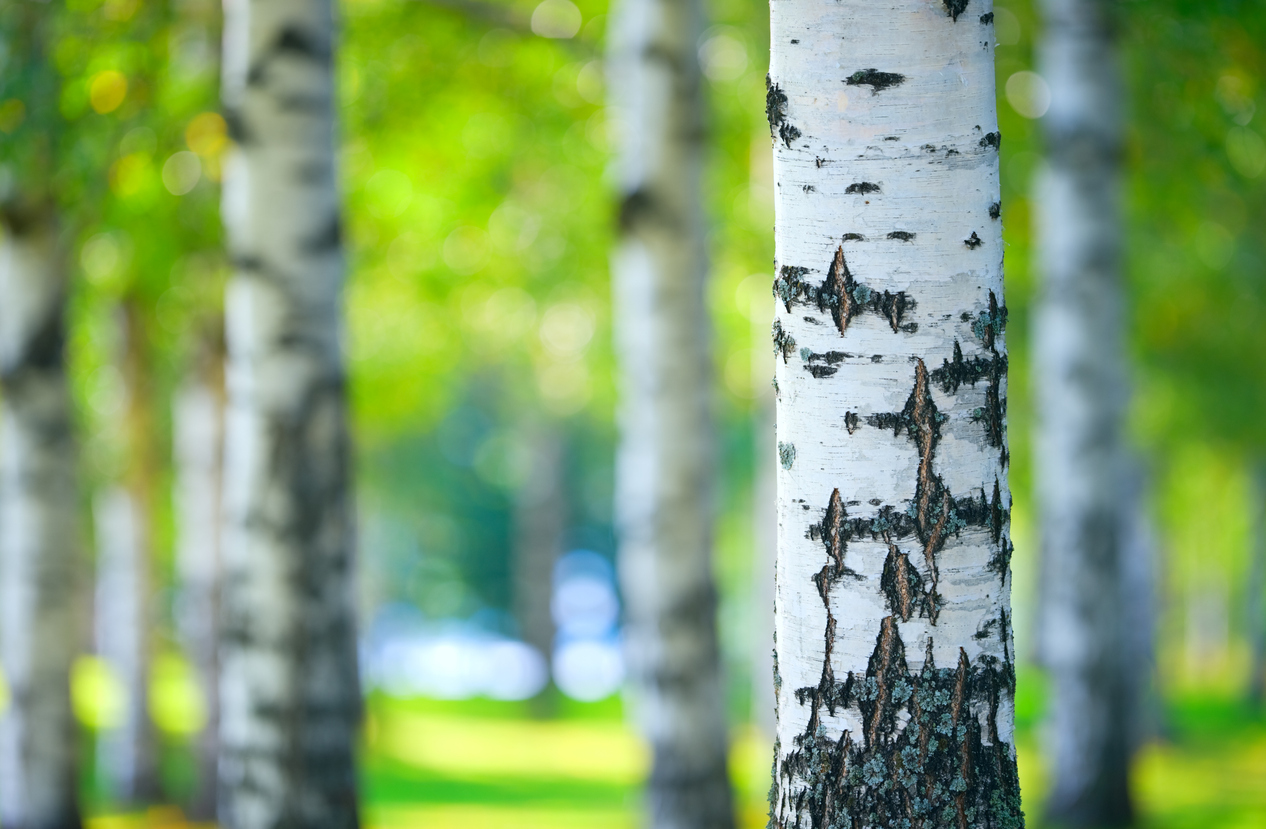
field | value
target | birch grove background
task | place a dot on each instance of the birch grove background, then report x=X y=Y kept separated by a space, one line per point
x=476 y=156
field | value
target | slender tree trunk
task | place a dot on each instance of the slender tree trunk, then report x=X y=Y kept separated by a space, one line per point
x=125 y=619
x=39 y=537
x=1080 y=374
x=540 y=520
x=1255 y=606
x=665 y=468
x=290 y=700
x=894 y=663
x=1138 y=609
x=40 y=618
x=199 y=451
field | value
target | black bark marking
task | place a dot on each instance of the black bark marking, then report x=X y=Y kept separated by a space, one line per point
x=901 y=236
x=876 y=80
x=990 y=324
x=843 y=296
x=635 y=207
x=995 y=210
x=973 y=241
x=854 y=237
x=955 y=8
x=784 y=343
x=851 y=422
x=776 y=113
x=901 y=583
x=941 y=769
x=822 y=365
x=327 y=239
x=986 y=19
x=992 y=139
x=809 y=188
x=862 y=187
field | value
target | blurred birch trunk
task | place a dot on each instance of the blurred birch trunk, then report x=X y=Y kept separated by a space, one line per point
x=124 y=517
x=39 y=533
x=198 y=422
x=40 y=599
x=894 y=663
x=665 y=463
x=540 y=521
x=1081 y=377
x=290 y=700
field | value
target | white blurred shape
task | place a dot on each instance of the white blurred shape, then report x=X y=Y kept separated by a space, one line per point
x=588 y=670
x=584 y=606
x=1028 y=94
x=181 y=172
x=559 y=19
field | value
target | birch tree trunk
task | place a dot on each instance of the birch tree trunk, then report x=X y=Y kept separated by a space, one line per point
x=289 y=690
x=540 y=520
x=124 y=521
x=39 y=535
x=40 y=620
x=1080 y=393
x=894 y=658
x=664 y=463
x=199 y=451
x=1255 y=605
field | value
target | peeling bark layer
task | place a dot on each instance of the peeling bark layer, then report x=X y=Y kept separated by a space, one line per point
x=289 y=689
x=894 y=662
x=1080 y=376
x=664 y=475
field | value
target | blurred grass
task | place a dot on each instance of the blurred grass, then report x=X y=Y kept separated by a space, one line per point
x=484 y=765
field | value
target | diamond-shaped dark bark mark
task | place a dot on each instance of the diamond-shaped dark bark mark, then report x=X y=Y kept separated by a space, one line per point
x=836 y=293
x=886 y=669
x=996 y=514
x=835 y=539
x=973 y=241
x=876 y=80
x=901 y=583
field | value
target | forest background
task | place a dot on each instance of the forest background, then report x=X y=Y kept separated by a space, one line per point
x=479 y=214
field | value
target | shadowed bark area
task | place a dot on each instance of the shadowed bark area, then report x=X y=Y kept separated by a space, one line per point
x=289 y=689
x=41 y=617
x=665 y=463
x=1080 y=380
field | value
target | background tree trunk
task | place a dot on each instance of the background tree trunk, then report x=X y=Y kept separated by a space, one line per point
x=1255 y=606
x=40 y=620
x=894 y=658
x=125 y=562
x=664 y=462
x=289 y=690
x=540 y=520
x=1079 y=366
x=199 y=452
x=39 y=533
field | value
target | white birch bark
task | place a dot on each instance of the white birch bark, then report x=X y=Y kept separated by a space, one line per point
x=1080 y=375
x=198 y=423
x=289 y=689
x=126 y=752
x=39 y=536
x=894 y=652
x=664 y=464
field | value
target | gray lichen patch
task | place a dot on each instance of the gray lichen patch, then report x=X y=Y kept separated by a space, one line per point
x=786 y=454
x=784 y=343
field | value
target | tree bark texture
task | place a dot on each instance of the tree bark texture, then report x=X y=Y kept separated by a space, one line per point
x=199 y=451
x=128 y=756
x=1080 y=376
x=894 y=659
x=289 y=690
x=540 y=521
x=39 y=536
x=664 y=464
